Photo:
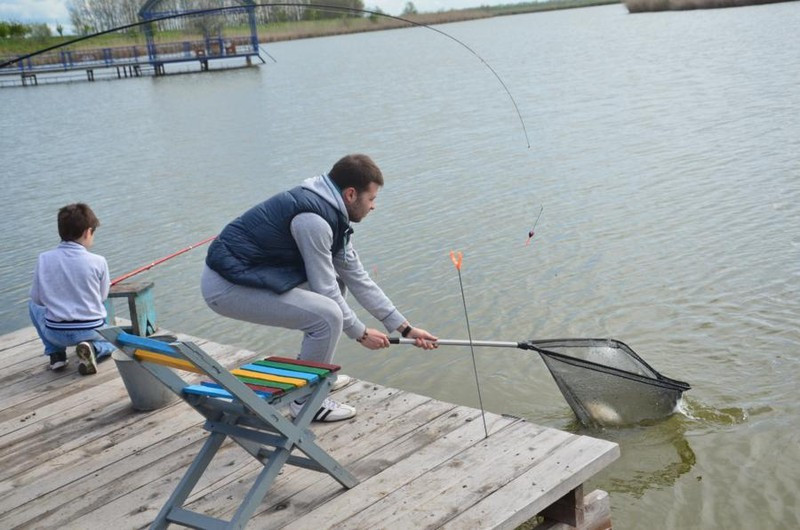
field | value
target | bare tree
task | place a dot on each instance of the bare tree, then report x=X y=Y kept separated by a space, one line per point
x=100 y=15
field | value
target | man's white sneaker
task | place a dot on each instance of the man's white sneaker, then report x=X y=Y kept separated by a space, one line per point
x=88 y=361
x=341 y=382
x=329 y=411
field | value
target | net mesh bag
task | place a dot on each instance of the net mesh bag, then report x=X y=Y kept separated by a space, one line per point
x=606 y=383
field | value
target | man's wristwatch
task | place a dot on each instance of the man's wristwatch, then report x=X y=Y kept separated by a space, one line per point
x=363 y=337
x=406 y=331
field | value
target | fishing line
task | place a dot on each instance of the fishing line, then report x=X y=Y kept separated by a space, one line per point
x=533 y=230
x=320 y=7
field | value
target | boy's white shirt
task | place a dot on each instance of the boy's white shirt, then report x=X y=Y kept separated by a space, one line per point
x=71 y=283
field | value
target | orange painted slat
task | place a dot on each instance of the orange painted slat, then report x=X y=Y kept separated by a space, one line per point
x=166 y=360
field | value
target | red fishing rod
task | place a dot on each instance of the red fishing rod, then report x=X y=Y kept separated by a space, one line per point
x=161 y=260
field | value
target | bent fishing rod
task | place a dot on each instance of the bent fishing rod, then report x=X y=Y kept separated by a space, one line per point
x=319 y=7
x=160 y=260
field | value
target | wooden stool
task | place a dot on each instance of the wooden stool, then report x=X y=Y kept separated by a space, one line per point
x=140 y=305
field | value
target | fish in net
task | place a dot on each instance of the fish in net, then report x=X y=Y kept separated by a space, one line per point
x=606 y=383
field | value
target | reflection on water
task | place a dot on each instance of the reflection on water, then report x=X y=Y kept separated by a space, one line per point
x=663 y=455
x=663 y=452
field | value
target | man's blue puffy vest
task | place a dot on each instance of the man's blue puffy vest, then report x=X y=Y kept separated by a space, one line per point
x=257 y=249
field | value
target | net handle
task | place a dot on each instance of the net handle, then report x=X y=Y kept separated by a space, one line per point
x=451 y=342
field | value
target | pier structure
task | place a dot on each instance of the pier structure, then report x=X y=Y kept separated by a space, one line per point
x=212 y=46
x=75 y=454
x=151 y=58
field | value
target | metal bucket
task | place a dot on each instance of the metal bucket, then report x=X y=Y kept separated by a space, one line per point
x=145 y=391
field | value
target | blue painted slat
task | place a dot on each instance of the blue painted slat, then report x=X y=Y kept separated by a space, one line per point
x=211 y=384
x=135 y=341
x=214 y=390
x=210 y=391
x=277 y=371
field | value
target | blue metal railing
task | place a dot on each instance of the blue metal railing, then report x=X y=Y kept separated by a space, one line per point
x=218 y=47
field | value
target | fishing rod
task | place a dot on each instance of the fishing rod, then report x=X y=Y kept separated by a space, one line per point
x=320 y=7
x=160 y=260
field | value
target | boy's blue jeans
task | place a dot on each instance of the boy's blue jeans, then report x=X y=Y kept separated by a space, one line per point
x=57 y=340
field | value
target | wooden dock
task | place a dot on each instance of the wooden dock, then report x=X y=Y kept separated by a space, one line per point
x=74 y=454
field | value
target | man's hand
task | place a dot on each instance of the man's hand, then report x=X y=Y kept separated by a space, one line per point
x=374 y=339
x=423 y=339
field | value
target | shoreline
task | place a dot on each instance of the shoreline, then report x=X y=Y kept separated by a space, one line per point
x=651 y=6
x=285 y=31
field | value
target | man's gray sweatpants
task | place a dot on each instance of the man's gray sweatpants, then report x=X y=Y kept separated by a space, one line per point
x=317 y=316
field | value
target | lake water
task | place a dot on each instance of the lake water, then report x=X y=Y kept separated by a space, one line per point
x=664 y=150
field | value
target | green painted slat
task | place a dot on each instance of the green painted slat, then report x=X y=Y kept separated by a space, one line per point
x=275 y=384
x=294 y=367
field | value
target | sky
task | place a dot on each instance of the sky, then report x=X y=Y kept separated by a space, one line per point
x=53 y=12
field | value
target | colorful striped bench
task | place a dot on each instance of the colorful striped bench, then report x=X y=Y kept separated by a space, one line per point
x=240 y=404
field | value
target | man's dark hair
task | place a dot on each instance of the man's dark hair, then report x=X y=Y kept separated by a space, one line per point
x=74 y=219
x=356 y=171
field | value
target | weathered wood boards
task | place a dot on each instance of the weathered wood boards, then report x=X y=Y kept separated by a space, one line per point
x=73 y=454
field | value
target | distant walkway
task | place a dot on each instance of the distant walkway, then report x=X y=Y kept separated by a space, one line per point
x=127 y=61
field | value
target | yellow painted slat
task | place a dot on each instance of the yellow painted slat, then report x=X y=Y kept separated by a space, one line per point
x=269 y=377
x=166 y=360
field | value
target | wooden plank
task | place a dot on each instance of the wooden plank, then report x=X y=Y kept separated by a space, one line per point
x=16 y=338
x=67 y=484
x=540 y=486
x=431 y=499
x=257 y=367
x=136 y=506
x=28 y=390
x=74 y=455
x=77 y=480
x=380 y=490
x=343 y=440
x=377 y=449
x=43 y=386
x=268 y=377
x=295 y=367
x=166 y=360
x=69 y=413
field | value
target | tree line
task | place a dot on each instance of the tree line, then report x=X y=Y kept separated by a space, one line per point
x=91 y=16
x=18 y=30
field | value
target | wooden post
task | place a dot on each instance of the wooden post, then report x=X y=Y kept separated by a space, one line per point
x=568 y=509
x=594 y=512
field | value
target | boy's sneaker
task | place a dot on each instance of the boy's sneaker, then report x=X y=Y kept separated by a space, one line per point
x=341 y=382
x=329 y=411
x=88 y=364
x=58 y=360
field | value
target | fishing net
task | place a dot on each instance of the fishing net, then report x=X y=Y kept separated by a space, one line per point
x=606 y=383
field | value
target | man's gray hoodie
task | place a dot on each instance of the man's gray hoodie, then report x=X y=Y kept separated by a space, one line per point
x=314 y=238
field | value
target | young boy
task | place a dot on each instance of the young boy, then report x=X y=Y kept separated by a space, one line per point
x=69 y=287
